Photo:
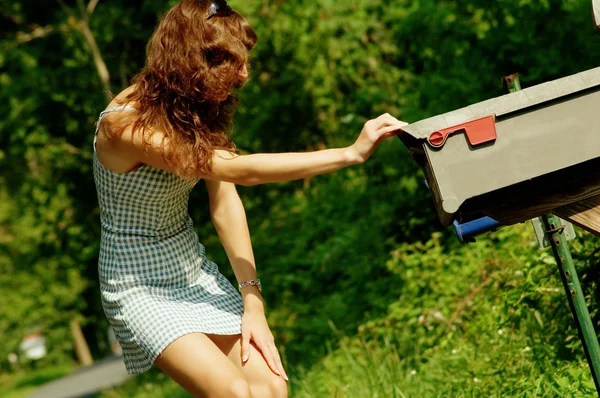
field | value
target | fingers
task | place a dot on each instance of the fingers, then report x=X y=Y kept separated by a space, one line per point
x=278 y=362
x=271 y=355
x=384 y=120
x=388 y=119
x=245 y=346
x=394 y=126
x=268 y=353
x=391 y=130
x=381 y=121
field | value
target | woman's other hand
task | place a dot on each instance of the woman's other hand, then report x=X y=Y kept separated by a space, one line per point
x=373 y=134
x=255 y=329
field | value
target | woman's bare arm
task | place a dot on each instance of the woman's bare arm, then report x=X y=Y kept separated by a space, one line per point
x=229 y=218
x=276 y=167
x=263 y=168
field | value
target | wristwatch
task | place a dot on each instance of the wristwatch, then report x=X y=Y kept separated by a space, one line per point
x=251 y=283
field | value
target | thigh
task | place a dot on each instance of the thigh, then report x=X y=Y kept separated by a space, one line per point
x=263 y=382
x=201 y=368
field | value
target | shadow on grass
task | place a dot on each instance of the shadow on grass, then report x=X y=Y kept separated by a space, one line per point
x=86 y=380
x=41 y=377
x=152 y=384
x=22 y=383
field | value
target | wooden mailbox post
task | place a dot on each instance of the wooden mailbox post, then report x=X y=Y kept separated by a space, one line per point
x=531 y=153
x=596 y=11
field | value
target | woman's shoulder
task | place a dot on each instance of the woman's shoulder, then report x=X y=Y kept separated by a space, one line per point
x=123 y=101
x=122 y=98
x=128 y=147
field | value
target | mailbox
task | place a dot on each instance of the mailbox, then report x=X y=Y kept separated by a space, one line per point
x=523 y=155
x=513 y=157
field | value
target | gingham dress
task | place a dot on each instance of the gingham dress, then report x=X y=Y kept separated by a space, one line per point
x=155 y=280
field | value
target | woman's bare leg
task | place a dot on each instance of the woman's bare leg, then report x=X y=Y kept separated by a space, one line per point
x=263 y=382
x=201 y=368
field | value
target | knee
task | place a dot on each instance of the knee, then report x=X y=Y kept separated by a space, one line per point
x=239 y=389
x=279 y=388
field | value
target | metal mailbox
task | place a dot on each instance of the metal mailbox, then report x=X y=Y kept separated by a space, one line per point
x=495 y=158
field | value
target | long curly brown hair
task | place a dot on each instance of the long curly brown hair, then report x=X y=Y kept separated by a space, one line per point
x=185 y=89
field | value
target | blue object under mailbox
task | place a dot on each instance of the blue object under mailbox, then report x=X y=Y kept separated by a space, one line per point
x=467 y=232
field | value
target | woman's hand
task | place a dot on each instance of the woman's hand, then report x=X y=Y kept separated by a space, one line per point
x=373 y=134
x=256 y=329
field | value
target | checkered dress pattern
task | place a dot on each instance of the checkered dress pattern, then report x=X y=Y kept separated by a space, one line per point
x=155 y=280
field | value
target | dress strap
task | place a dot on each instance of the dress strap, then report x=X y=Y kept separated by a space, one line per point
x=107 y=111
x=110 y=110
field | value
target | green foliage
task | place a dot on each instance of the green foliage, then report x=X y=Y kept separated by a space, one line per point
x=21 y=383
x=321 y=69
x=377 y=370
x=152 y=384
x=488 y=319
x=347 y=221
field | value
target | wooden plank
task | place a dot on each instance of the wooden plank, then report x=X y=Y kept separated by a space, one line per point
x=596 y=7
x=585 y=214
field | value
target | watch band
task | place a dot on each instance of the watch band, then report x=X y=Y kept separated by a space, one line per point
x=251 y=283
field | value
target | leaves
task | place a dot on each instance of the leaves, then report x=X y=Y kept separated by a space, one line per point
x=362 y=247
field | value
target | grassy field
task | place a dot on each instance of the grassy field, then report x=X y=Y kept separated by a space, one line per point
x=359 y=369
x=22 y=383
x=376 y=369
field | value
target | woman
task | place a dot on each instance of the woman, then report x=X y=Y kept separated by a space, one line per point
x=167 y=303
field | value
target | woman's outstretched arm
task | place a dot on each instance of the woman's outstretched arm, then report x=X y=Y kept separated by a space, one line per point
x=276 y=167
x=263 y=168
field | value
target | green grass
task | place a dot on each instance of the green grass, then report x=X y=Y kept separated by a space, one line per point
x=377 y=370
x=22 y=383
x=152 y=384
x=485 y=320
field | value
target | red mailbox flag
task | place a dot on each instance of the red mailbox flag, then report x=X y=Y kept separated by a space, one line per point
x=479 y=131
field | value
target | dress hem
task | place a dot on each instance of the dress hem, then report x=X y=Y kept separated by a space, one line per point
x=154 y=356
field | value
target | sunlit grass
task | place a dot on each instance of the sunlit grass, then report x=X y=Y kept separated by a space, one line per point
x=376 y=369
x=20 y=384
x=152 y=384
